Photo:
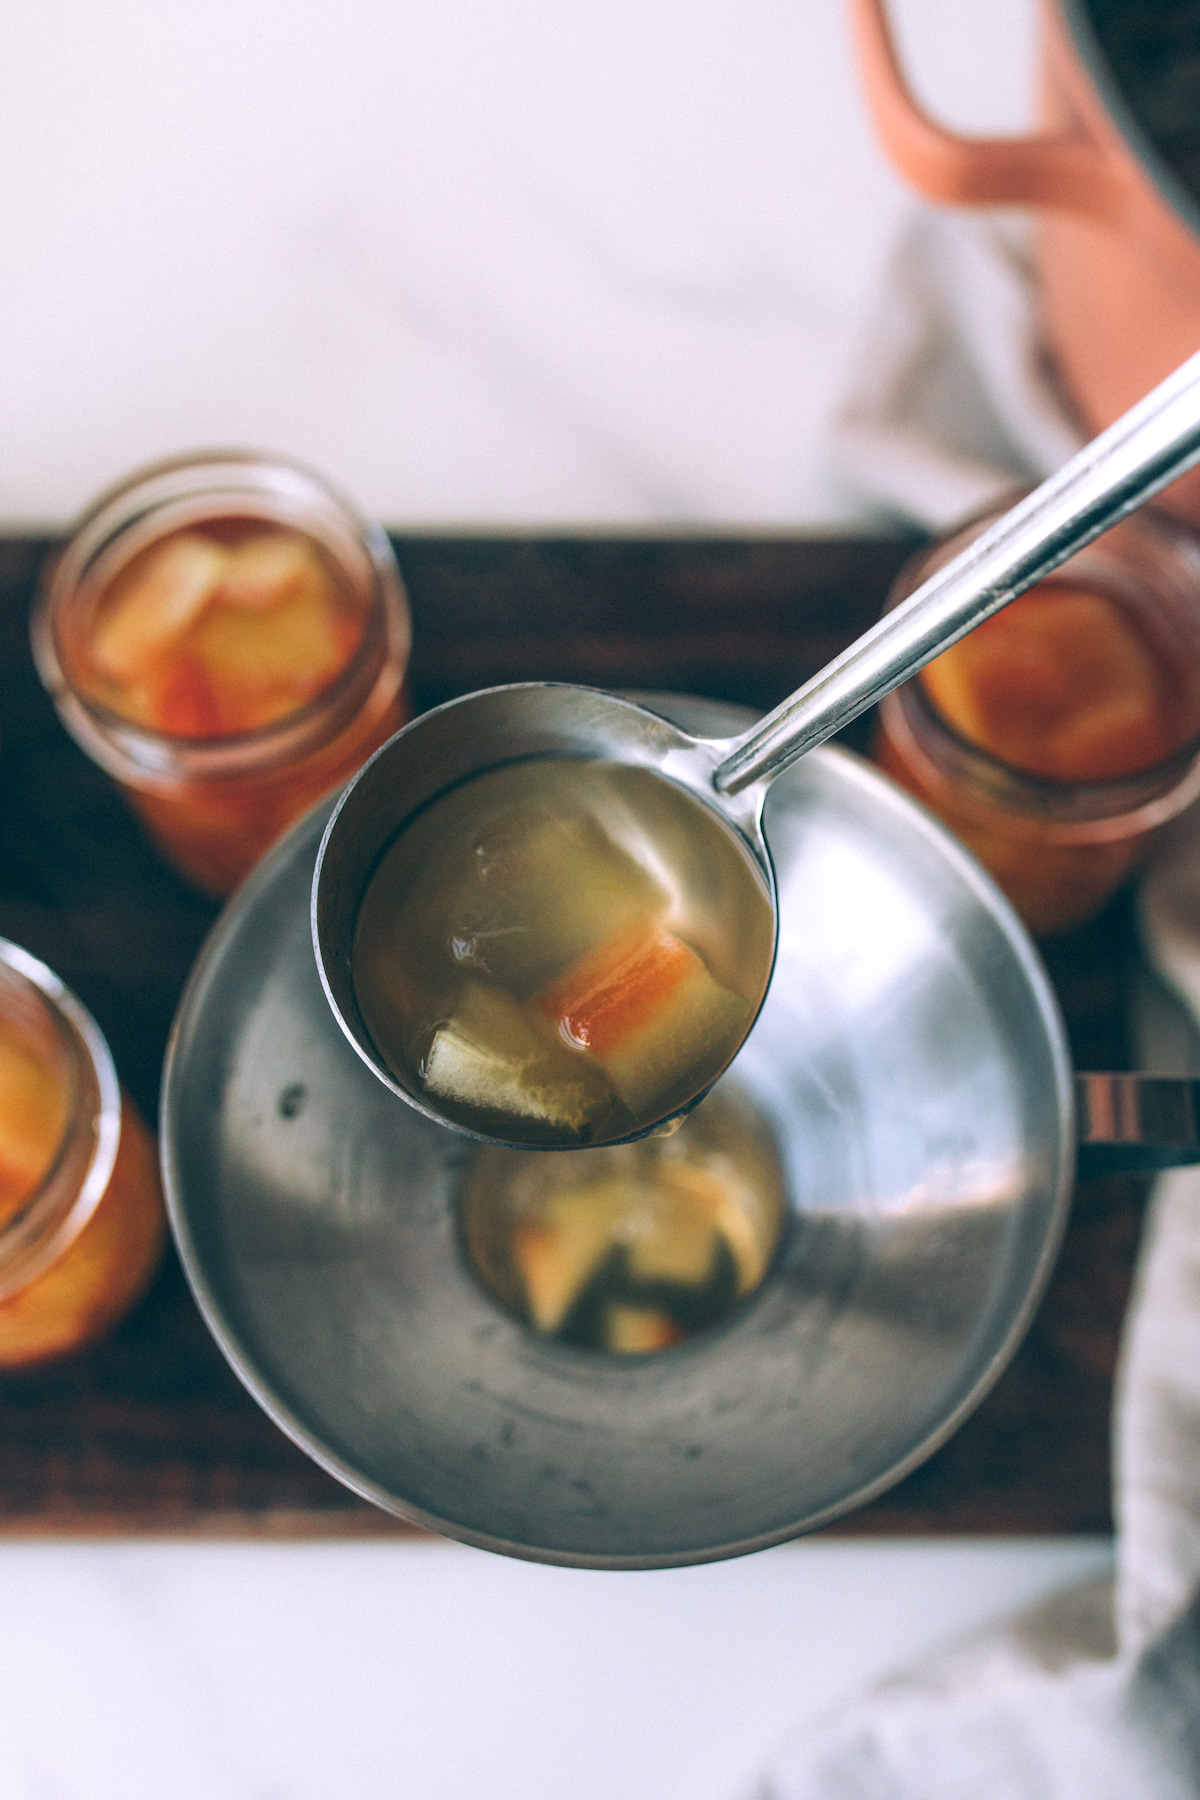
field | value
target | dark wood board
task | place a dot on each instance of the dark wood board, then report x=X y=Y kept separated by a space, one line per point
x=151 y=1432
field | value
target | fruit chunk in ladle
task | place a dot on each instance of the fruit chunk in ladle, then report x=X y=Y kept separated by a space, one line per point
x=538 y=959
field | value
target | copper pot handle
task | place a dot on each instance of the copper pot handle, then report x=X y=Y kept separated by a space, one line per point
x=1069 y=173
x=1134 y=1124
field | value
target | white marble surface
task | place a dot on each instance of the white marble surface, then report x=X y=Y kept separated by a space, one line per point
x=481 y=263
x=432 y=1672
x=484 y=264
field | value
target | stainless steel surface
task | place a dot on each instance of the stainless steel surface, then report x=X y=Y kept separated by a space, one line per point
x=911 y=1059
x=444 y=747
x=1151 y=444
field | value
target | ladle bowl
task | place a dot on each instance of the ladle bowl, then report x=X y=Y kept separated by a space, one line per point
x=490 y=729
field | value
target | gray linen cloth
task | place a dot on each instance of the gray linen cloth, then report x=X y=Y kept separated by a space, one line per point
x=952 y=402
x=1094 y=1695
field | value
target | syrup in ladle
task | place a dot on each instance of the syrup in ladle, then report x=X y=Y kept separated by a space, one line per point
x=559 y=953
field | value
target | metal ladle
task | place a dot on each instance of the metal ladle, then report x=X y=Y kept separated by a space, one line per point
x=1152 y=444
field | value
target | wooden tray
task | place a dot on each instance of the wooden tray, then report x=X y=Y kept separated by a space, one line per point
x=151 y=1432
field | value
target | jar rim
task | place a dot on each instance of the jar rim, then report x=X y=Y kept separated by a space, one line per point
x=1067 y=812
x=1081 y=811
x=66 y=1197
x=184 y=490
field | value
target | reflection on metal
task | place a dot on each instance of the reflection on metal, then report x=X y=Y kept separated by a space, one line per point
x=634 y=1248
x=1136 y=1123
x=926 y=1151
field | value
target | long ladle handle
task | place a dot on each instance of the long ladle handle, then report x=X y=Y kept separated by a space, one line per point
x=1147 y=447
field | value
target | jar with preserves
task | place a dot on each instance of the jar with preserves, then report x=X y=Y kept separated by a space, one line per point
x=228 y=639
x=1060 y=735
x=82 y=1227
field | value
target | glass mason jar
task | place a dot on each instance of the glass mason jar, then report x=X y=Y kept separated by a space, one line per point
x=1062 y=819
x=214 y=791
x=82 y=1227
